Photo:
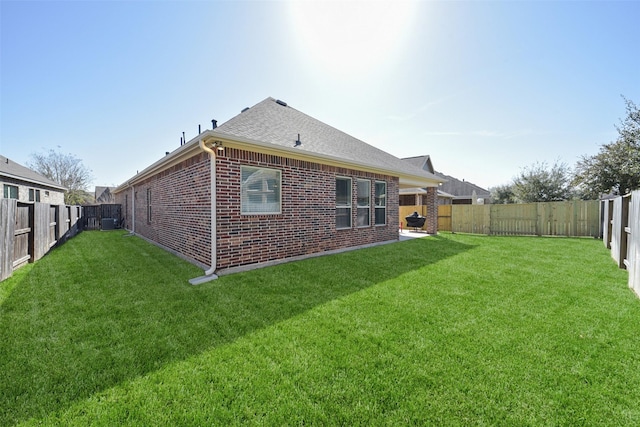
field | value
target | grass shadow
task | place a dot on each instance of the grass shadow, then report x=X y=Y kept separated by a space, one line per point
x=104 y=309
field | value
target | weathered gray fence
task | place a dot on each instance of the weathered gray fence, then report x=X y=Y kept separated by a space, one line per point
x=576 y=218
x=102 y=217
x=29 y=230
x=621 y=233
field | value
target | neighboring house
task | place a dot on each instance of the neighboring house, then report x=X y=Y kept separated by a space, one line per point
x=464 y=192
x=104 y=195
x=270 y=184
x=418 y=196
x=21 y=183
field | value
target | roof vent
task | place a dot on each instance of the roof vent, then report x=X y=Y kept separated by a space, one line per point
x=298 y=142
x=214 y=124
x=284 y=104
x=244 y=109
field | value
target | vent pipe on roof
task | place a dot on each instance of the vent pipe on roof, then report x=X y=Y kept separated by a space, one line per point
x=184 y=138
x=280 y=102
x=244 y=109
x=214 y=124
x=199 y=131
x=298 y=142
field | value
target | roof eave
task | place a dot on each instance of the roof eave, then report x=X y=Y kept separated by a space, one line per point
x=34 y=181
x=232 y=141
x=406 y=180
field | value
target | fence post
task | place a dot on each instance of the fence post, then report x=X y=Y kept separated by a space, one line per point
x=633 y=254
x=8 y=209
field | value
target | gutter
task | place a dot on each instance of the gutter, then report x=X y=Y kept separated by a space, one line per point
x=210 y=273
x=408 y=179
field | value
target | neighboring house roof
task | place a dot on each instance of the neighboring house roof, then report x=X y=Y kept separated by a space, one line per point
x=445 y=195
x=104 y=195
x=11 y=169
x=273 y=127
x=462 y=189
x=421 y=162
x=409 y=191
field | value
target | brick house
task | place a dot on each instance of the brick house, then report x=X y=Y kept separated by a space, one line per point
x=270 y=184
x=25 y=185
x=424 y=200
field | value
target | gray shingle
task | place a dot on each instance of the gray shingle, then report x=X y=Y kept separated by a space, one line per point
x=11 y=169
x=270 y=122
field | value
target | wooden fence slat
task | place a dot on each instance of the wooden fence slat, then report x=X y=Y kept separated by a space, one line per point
x=8 y=209
x=444 y=217
x=633 y=243
x=29 y=230
x=573 y=218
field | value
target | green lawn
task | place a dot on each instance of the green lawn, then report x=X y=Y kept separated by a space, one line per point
x=447 y=330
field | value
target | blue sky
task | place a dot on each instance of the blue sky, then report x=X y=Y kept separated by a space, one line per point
x=484 y=88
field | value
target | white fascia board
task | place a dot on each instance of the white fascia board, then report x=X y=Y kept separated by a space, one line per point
x=34 y=181
x=406 y=180
x=230 y=141
x=178 y=155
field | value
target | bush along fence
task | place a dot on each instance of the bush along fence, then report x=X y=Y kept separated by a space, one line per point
x=621 y=233
x=576 y=218
x=29 y=230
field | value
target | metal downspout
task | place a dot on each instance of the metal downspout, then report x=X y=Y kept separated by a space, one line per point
x=133 y=209
x=210 y=273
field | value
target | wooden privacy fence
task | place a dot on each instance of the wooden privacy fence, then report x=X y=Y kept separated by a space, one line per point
x=575 y=218
x=29 y=230
x=405 y=211
x=102 y=217
x=621 y=233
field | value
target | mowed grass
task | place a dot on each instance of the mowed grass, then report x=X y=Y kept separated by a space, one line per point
x=446 y=330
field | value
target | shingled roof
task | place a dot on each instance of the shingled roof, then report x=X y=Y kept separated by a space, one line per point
x=11 y=169
x=271 y=126
x=462 y=189
x=273 y=121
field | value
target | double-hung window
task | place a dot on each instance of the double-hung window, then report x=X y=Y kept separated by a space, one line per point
x=34 y=195
x=10 y=191
x=343 y=202
x=148 y=205
x=260 y=190
x=381 y=203
x=364 y=203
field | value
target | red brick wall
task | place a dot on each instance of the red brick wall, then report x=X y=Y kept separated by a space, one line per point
x=180 y=209
x=431 y=200
x=180 y=201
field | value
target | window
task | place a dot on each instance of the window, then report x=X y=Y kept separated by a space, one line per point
x=364 y=203
x=260 y=190
x=34 y=195
x=343 y=202
x=148 y=205
x=381 y=203
x=10 y=191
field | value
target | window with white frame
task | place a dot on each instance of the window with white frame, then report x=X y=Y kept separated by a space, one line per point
x=363 y=218
x=10 y=191
x=148 y=205
x=343 y=202
x=381 y=203
x=260 y=190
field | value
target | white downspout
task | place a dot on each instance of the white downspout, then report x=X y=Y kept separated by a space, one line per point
x=210 y=273
x=133 y=209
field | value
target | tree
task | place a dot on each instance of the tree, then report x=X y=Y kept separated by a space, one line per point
x=502 y=194
x=539 y=183
x=66 y=170
x=616 y=167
